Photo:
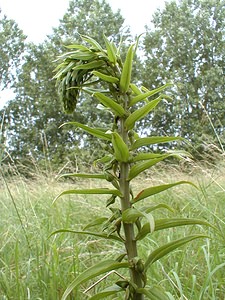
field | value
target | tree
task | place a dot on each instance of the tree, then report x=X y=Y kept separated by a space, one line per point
x=187 y=46
x=37 y=111
x=12 y=42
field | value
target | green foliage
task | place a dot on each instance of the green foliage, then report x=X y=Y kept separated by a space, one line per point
x=35 y=113
x=12 y=42
x=186 y=45
x=126 y=222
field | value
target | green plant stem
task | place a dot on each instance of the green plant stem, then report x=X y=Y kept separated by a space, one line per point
x=130 y=242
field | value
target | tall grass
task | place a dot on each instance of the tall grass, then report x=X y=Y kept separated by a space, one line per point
x=33 y=266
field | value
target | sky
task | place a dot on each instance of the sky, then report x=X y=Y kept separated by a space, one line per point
x=37 y=17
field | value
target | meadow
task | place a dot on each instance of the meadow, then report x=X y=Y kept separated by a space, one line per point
x=36 y=266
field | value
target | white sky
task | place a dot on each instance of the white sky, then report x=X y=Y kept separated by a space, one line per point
x=37 y=17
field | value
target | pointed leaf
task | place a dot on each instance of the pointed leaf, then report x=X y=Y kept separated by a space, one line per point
x=78 y=55
x=153 y=207
x=154 y=140
x=105 y=77
x=154 y=293
x=112 y=290
x=98 y=269
x=103 y=160
x=100 y=235
x=143 y=96
x=158 y=189
x=135 y=89
x=110 y=50
x=131 y=215
x=121 y=150
x=64 y=70
x=165 y=249
x=169 y=223
x=93 y=131
x=140 y=113
x=148 y=156
x=142 y=166
x=108 y=102
x=89 y=192
x=92 y=42
x=175 y=222
x=77 y=46
x=95 y=222
x=80 y=175
x=126 y=72
x=96 y=64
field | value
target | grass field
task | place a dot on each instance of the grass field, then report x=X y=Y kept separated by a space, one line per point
x=34 y=266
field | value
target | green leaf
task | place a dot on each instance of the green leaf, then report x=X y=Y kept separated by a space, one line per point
x=131 y=215
x=154 y=293
x=92 y=42
x=92 y=272
x=108 y=102
x=112 y=290
x=103 y=160
x=143 y=96
x=104 y=77
x=165 y=249
x=110 y=50
x=77 y=46
x=140 y=113
x=135 y=89
x=121 y=150
x=154 y=140
x=136 y=169
x=95 y=222
x=89 y=192
x=67 y=68
x=96 y=64
x=126 y=71
x=147 y=156
x=158 y=189
x=176 y=222
x=78 y=55
x=153 y=207
x=80 y=175
x=93 y=131
x=169 y=223
x=100 y=235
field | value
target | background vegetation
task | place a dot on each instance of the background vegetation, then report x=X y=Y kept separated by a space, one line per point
x=35 y=267
x=185 y=43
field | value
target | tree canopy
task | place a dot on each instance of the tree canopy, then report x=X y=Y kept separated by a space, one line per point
x=187 y=46
x=12 y=42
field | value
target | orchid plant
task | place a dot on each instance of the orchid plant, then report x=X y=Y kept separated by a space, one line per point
x=100 y=72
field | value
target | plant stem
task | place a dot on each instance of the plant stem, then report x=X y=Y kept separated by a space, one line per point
x=130 y=242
